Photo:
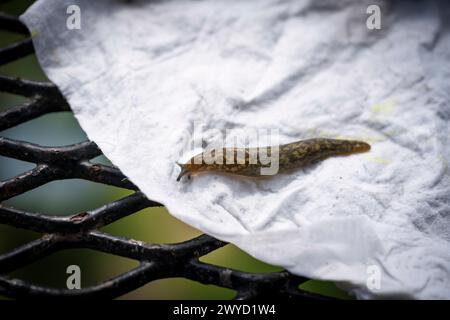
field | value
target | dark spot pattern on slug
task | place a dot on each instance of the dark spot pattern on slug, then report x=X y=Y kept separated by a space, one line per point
x=290 y=156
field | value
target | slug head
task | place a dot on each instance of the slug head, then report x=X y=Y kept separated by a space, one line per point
x=194 y=165
x=188 y=169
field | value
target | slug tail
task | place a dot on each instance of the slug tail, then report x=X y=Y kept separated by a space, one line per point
x=360 y=146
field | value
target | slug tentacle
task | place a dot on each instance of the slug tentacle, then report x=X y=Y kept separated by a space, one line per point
x=183 y=170
x=255 y=162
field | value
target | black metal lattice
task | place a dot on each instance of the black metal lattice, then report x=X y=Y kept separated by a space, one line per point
x=157 y=261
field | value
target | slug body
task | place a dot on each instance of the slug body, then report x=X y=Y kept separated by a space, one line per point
x=250 y=161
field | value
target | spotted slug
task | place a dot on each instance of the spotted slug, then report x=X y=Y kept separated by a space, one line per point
x=253 y=160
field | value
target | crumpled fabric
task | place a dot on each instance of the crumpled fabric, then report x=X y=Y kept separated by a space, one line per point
x=143 y=76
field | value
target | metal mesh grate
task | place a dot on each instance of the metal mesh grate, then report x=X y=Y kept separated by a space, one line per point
x=157 y=261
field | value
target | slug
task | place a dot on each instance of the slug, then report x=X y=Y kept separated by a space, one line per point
x=288 y=156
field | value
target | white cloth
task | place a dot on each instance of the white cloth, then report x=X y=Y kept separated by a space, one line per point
x=139 y=74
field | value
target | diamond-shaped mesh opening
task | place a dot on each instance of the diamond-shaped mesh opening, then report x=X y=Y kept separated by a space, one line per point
x=166 y=264
x=12 y=238
x=52 y=269
x=141 y=226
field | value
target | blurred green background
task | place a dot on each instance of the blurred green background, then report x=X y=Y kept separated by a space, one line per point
x=67 y=197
